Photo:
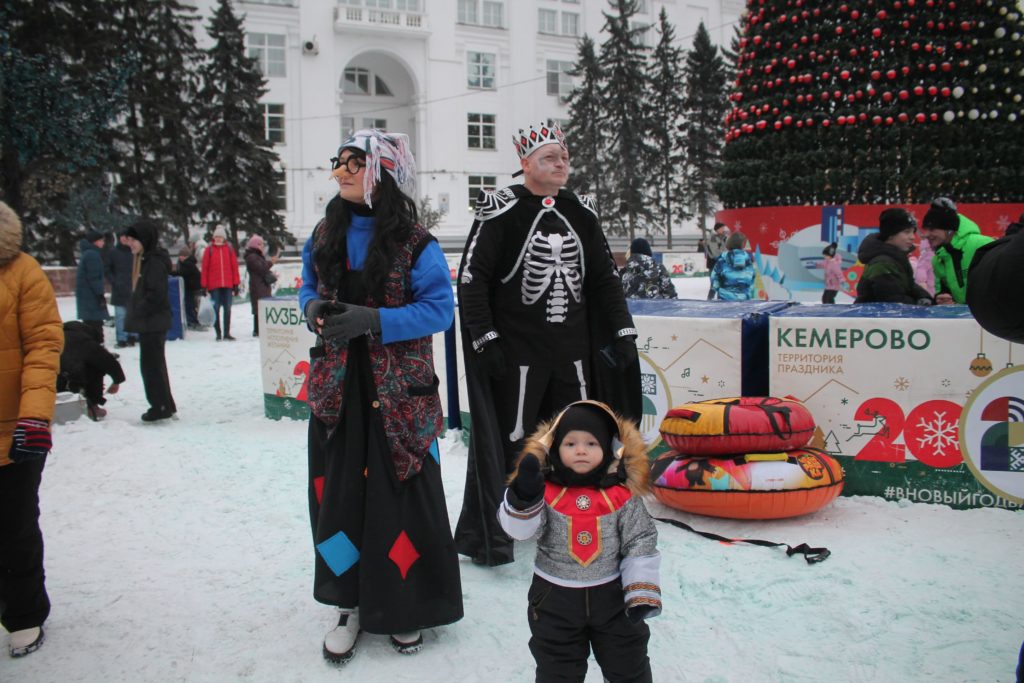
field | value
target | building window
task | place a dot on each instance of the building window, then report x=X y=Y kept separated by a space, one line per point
x=381 y=88
x=268 y=51
x=357 y=81
x=559 y=80
x=570 y=24
x=480 y=131
x=375 y=123
x=482 y=12
x=643 y=37
x=273 y=123
x=480 y=182
x=281 y=191
x=547 y=21
x=348 y=126
x=480 y=67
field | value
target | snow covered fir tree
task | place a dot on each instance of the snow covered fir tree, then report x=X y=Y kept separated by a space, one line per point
x=883 y=101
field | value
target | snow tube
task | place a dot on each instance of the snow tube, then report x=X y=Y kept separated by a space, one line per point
x=751 y=486
x=724 y=426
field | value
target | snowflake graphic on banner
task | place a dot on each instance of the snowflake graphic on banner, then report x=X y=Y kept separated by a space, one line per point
x=901 y=383
x=939 y=433
x=782 y=238
x=648 y=384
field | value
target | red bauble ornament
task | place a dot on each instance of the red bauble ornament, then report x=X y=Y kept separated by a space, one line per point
x=905 y=70
x=851 y=98
x=904 y=95
x=965 y=26
x=875 y=75
x=839 y=30
x=824 y=124
x=933 y=90
x=902 y=117
x=787 y=120
x=946 y=66
x=933 y=117
x=844 y=74
x=876 y=32
x=920 y=118
x=888 y=120
x=874 y=54
x=778 y=125
x=855 y=14
x=918 y=90
x=887 y=96
x=891 y=74
x=876 y=119
x=946 y=92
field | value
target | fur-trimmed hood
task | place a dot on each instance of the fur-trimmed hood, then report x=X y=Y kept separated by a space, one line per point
x=10 y=234
x=628 y=446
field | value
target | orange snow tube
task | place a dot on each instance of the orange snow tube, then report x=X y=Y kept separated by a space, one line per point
x=751 y=486
x=724 y=426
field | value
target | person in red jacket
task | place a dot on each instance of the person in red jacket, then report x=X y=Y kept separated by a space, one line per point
x=220 y=279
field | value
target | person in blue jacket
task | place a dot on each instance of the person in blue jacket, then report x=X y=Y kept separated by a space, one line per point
x=375 y=289
x=733 y=275
x=90 y=296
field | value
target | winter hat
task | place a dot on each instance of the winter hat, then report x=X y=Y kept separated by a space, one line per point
x=255 y=242
x=92 y=234
x=942 y=215
x=388 y=151
x=220 y=232
x=737 y=240
x=894 y=221
x=830 y=250
x=587 y=418
x=640 y=246
x=529 y=140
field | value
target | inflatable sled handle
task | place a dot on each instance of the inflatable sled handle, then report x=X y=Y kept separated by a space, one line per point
x=812 y=555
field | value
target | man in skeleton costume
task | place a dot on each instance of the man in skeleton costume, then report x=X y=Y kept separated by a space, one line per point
x=544 y=323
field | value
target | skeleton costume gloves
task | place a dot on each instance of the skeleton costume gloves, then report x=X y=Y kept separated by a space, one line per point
x=492 y=359
x=620 y=353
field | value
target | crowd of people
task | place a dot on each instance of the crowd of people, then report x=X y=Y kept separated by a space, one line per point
x=552 y=376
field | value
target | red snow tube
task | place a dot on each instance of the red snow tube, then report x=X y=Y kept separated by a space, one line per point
x=749 y=424
x=753 y=486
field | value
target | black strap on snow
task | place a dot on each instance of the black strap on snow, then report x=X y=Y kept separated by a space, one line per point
x=812 y=555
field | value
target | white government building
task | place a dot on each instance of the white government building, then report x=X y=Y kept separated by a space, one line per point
x=458 y=76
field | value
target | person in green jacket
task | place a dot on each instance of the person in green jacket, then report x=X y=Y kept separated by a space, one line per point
x=954 y=238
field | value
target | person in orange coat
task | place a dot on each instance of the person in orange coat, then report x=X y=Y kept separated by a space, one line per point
x=31 y=340
x=220 y=279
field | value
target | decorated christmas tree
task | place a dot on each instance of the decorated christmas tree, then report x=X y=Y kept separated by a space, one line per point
x=876 y=101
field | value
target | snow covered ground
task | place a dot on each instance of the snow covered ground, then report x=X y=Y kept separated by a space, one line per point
x=181 y=551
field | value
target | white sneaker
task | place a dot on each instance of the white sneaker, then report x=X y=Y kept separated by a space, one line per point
x=340 y=643
x=26 y=641
x=407 y=643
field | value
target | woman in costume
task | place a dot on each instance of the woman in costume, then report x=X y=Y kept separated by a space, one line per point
x=375 y=289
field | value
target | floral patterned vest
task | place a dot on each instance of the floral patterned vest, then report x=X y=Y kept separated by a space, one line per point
x=403 y=372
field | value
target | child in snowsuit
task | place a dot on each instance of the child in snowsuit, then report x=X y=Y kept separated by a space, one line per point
x=577 y=486
x=733 y=275
x=833 y=265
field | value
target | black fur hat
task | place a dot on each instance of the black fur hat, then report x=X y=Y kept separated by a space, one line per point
x=893 y=221
x=942 y=214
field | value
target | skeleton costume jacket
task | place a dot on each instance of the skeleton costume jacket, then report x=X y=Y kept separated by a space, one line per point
x=537 y=276
x=588 y=536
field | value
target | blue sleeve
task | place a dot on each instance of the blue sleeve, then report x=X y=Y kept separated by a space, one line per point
x=309 y=280
x=433 y=307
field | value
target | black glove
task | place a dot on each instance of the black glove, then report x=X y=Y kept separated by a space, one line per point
x=234 y=290
x=315 y=309
x=620 y=353
x=526 y=489
x=639 y=613
x=492 y=359
x=925 y=301
x=353 y=321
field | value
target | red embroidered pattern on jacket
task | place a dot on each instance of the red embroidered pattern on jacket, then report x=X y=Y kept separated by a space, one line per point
x=584 y=506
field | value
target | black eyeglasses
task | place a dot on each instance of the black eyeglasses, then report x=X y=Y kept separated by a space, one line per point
x=352 y=164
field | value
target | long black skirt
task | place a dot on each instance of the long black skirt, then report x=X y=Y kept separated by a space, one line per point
x=381 y=545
